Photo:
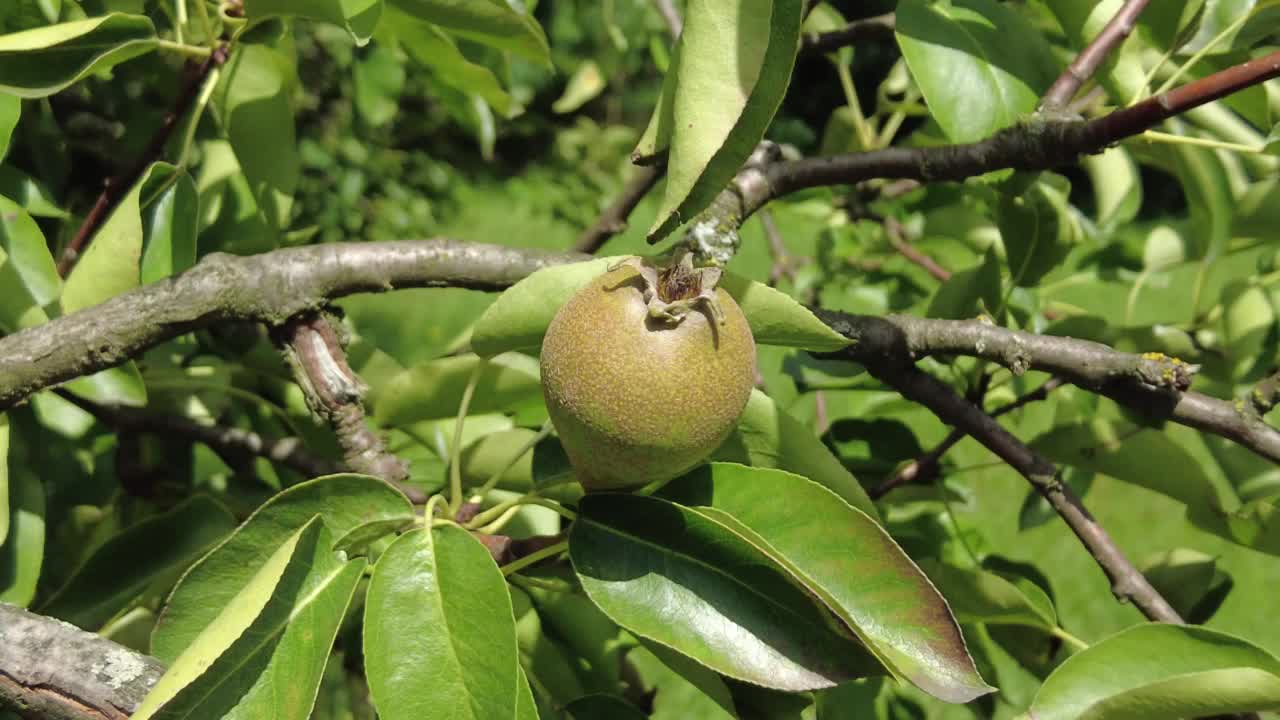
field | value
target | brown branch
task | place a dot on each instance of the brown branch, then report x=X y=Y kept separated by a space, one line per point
x=230 y=443
x=269 y=288
x=117 y=187
x=1038 y=144
x=1127 y=583
x=894 y=231
x=873 y=29
x=614 y=219
x=335 y=394
x=53 y=670
x=783 y=265
x=926 y=467
x=1092 y=56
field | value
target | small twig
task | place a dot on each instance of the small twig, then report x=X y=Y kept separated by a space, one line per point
x=1092 y=56
x=334 y=393
x=117 y=187
x=1127 y=583
x=670 y=15
x=614 y=219
x=230 y=443
x=782 y=263
x=926 y=467
x=894 y=231
x=878 y=28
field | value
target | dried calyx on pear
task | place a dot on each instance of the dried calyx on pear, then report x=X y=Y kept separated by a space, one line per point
x=645 y=372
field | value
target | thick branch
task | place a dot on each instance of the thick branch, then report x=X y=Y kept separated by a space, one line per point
x=269 y=288
x=1091 y=58
x=117 y=187
x=52 y=669
x=1127 y=583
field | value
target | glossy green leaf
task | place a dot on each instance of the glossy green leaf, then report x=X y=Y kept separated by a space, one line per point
x=496 y=23
x=40 y=62
x=686 y=581
x=434 y=390
x=359 y=17
x=28 y=279
x=593 y=641
x=1038 y=229
x=520 y=316
x=431 y=47
x=4 y=478
x=169 y=229
x=10 y=111
x=977 y=595
x=656 y=138
x=266 y=662
x=1117 y=187
x=526 y=706
x=970 y=292
x=1248 y=317
x=254 y=97
x=768 y=437
x=120 y=385
x=736 y=58
x=160 y=547
x=112 y=264
x=849 y=562
x=29 y=193
x=546 y=465
x=379 y=81
x=343 y=502
x=439 y=635
x=1154 y=672
x=22 y=552
x=542 y=655
x=1219 y=16
x=1190 y=580
x=980 y=65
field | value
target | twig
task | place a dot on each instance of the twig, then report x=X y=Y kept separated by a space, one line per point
x=894 y=231
x=52 y=669
x=230 y=443
x=1127 y=583
x=335 y=393
x=782 y=263
x=614 y=219
x=878 y=28
x=670 y=15
x=927 y=466
x=117 y=187
x=1092 y=56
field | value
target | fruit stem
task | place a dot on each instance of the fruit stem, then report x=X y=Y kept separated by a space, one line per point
x=492 y=482
x=455 y=457
x=535 y=557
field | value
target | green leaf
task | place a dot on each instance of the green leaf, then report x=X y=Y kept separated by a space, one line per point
x=768 y=437
x=40 y=62
x=22 y=552
x=254 y=99
x=980 y=65
x=1190 y=580
x=1117 y=187
x=169 y=230
x=1248 y=317
x=977 y=595
x=112 y=264
x=970 y=292
x=264 y=656
x=656 y=138
x=28 y=279
x=1037 y=228
x=683 y=580
x=604 y=707
x=586 y=83
x=849 y=562
x=120 y=385
x=159 y=548
x=681 y=688
x=434 y=390
x=545 y=466
x=431 y=47
x=439 y=634
x=343 y=502
x=359 y=17
x=496 y=23
x=379 y=80
x=10 y=111
x=520 y=316
x=1153 y=672
x=735 y=65
x=29 y=193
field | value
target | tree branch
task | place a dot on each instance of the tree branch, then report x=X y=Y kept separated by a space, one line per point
x=268 y=288
x=1127 y=583
x=230 y=443
x=614 y=219
x=894 y=231
x=54 y=670
x=117 y=187
x=878 y=28
x=1092 y=56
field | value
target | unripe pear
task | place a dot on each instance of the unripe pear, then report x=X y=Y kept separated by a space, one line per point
x=645 y=373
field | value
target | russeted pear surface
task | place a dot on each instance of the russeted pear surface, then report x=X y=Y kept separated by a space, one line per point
x=645 y=373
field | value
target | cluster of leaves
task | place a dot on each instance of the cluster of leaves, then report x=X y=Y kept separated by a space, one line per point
x=765 y=584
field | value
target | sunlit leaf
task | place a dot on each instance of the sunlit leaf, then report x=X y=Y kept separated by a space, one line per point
x=40 y=62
